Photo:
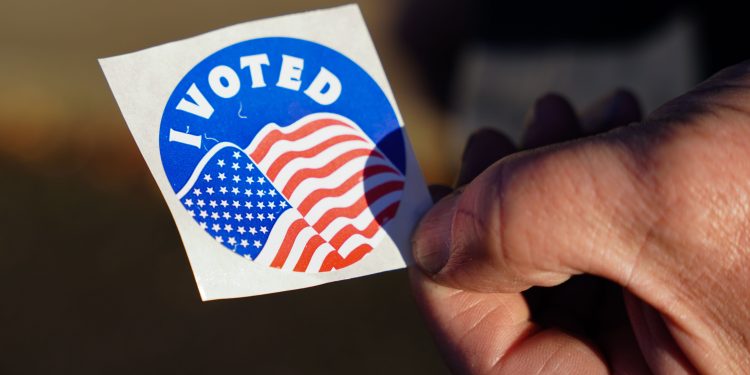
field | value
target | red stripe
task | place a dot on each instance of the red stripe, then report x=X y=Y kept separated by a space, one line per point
x=286 y=246
x=307 y=254
x=347 y=185
x=357 y=207
x=276 y=135
x=327 y=169
x=368 y=232
x=285 y=158
x=335 y=260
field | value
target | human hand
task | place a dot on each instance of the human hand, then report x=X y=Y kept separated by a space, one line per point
x=625 y=252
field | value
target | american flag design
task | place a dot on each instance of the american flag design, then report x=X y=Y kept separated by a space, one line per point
x=312 y=196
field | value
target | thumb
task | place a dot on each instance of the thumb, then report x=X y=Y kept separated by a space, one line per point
x=539 y=217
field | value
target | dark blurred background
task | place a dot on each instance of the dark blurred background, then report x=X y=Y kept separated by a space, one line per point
x=93 y=277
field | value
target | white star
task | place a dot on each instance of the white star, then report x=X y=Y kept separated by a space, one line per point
x=224 y=203
x=207 y=177
x=203 y=214
x=256 y=243
x=249 y=180
x=218 y=238
x=244 y=243
x=271 y=216
x=226 y=215
x=249 y=216
x=241 y=230
x=271 y=192
x=282 y=204
x=261 y=217
x=252 y=230
x=189 y=202
x=238 y=217
x=248 y=204
x=212 y=204
x=260 y=205
x=214 y=215
x=236 y=178
x=249 y=167
x=232 y=241
x=192 y=213
x=248 y=192
x=223 y=190
x=201 y=203
x=221 y=162
x=228 y=227
x=203 y=225
x=261 y=180
x=210 y=191
x=235 y=190
x=260 y=193
x=236 y=155
x=197 y=191
x=263 y=230
x=271 y=205
x=215 y=227
x=236 y=204
x=235 y=166
x=222 y=176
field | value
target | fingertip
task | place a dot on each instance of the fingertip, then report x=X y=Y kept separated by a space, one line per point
x=432 y=238
x=438 y=192
x=619 y=108
x=552 y=119
x=483 y=148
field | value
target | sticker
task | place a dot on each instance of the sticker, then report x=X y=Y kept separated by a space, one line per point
x=282 y=156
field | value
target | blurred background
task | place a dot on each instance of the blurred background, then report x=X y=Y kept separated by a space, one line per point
x=93 y=276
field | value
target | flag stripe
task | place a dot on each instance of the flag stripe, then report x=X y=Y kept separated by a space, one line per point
x=282 y=161
x=323 y=171
x=347 y=185
x=325 y=158
x=335 y=260
x=335 y=177
x=360 y=205
x=307 y=254
x=286 y=246
x=276 y=135
x=283 y=146
x=364 y=217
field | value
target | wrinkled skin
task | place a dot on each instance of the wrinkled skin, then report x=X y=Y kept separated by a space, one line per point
x=602 y=247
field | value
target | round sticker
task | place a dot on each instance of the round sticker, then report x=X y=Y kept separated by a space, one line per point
x=286 y=152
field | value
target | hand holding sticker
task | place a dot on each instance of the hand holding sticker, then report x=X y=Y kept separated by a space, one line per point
x=283 y=160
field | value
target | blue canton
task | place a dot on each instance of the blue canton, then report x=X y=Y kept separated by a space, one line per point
x=234 y=203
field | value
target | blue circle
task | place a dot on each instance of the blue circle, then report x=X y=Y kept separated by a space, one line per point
x=239 y=118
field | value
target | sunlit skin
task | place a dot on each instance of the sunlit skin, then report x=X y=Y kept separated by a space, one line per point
x=627 y=251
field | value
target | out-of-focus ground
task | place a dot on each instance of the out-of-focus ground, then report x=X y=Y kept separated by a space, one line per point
x=93 y=276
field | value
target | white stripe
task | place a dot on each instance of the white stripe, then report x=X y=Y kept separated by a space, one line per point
x=276 y=237
x=311 y=140
x=339 y=177
x=356 y=240
x=319 y=257
x=323 y=248
x=345 y=200
x=201 y=164
x=320 y=160
x=294 y=126
x=363 y=219
x=297 y=248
